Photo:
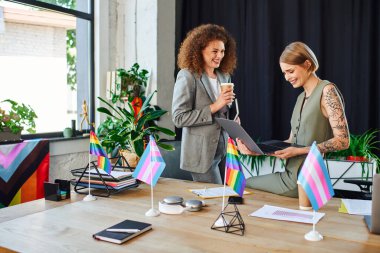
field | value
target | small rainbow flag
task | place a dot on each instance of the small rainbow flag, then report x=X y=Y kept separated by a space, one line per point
x=315 y=179
x=95 y=147
x=235 y=177
x=104 y=164
x=150 y=165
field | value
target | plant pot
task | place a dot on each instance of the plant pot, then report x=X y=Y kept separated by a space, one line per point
x=131 y=158
x=357 y=158
x=113 y=160
x=7 y=135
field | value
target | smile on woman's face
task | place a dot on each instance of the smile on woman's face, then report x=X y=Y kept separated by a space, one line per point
x=296 y=75
x=213 y=54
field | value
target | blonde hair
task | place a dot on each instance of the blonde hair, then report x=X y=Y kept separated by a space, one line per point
x=297 y=53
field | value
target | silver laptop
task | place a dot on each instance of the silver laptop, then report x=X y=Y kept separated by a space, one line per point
x=235 y=130
x=373 y=220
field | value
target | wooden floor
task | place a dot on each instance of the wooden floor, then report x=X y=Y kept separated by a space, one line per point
x=68 y=226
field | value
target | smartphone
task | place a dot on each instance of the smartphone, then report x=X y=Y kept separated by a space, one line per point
x=235 y=200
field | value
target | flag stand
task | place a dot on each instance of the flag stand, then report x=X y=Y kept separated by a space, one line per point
x=89 y=197
x=313 y=235
x=229 y=222
x=152 y=212
x=221 y=221
x=316 y=183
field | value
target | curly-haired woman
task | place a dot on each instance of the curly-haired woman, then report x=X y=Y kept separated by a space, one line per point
x=207 y=58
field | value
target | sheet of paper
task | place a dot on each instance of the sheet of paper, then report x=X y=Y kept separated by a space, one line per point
x=358 y=206
x=216 y=192
x=280 y=213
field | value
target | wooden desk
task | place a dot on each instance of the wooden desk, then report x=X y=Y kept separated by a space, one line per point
x=69 y=228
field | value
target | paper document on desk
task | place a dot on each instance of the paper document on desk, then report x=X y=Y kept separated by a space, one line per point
x=216 y=192
x=358 y=206
x=280 y=213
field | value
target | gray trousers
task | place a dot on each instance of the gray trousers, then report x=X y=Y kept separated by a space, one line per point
x=215 y=172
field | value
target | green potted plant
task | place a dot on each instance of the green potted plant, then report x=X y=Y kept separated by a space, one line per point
x=363 y=148
x=125 y=130
x=17 y=118
x=132 y=83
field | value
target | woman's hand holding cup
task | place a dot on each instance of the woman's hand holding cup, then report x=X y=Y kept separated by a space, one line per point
x=226 y=97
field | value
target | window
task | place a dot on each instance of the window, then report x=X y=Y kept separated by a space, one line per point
x=46 y=59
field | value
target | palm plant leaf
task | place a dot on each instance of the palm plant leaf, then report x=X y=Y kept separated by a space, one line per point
x=111 y=106
x=146 y=103
x=165 y=146
x=149 y=116
x=162 y=129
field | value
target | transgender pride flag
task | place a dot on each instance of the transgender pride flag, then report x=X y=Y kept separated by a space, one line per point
x=315 y=180
x=150 y=165
x=235 y=176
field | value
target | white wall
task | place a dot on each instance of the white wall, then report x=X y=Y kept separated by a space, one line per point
x=143 y=31
x=118 y=44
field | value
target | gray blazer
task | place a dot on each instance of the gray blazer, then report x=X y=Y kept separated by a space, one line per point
x=192 y=98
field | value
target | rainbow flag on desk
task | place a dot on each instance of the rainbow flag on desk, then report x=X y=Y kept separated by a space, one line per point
x=96 y=149
x=235 y=177
x=315 y=179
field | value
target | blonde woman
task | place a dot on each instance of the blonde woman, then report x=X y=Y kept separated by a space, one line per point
x=318 y=115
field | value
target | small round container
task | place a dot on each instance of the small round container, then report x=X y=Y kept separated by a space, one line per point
x=193 y=205
x=173 y=200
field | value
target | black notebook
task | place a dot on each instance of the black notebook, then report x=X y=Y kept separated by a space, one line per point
x=120 y=236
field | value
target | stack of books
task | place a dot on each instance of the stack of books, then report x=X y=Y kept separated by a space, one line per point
x=116 y=181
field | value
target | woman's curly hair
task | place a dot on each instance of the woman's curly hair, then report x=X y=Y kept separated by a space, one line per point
x=190 y=53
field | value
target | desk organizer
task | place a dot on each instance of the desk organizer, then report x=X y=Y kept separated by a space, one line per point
x=58 y=190
x=104 y=184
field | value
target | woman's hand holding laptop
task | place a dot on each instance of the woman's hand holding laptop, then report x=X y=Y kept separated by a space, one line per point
x=283 y=153
x=243 y=148
x=288 y=152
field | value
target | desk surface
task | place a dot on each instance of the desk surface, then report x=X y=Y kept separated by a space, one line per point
x=68 y=226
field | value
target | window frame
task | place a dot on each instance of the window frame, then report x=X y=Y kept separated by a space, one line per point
x=77 y=14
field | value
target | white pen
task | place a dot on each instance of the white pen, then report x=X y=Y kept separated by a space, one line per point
x=123 y=230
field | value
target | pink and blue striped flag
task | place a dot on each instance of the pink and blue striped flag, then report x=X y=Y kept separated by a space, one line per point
x=151 y=164
x=95 y=147
x=235 y=177
x=315 y=179
x=104 y=164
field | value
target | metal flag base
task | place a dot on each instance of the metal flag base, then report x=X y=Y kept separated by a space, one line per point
x=152 y=212
x=89 y=197
x=230 y=222
x=314 y=236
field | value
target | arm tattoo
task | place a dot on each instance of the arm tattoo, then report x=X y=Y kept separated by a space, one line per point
x=337 y=119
